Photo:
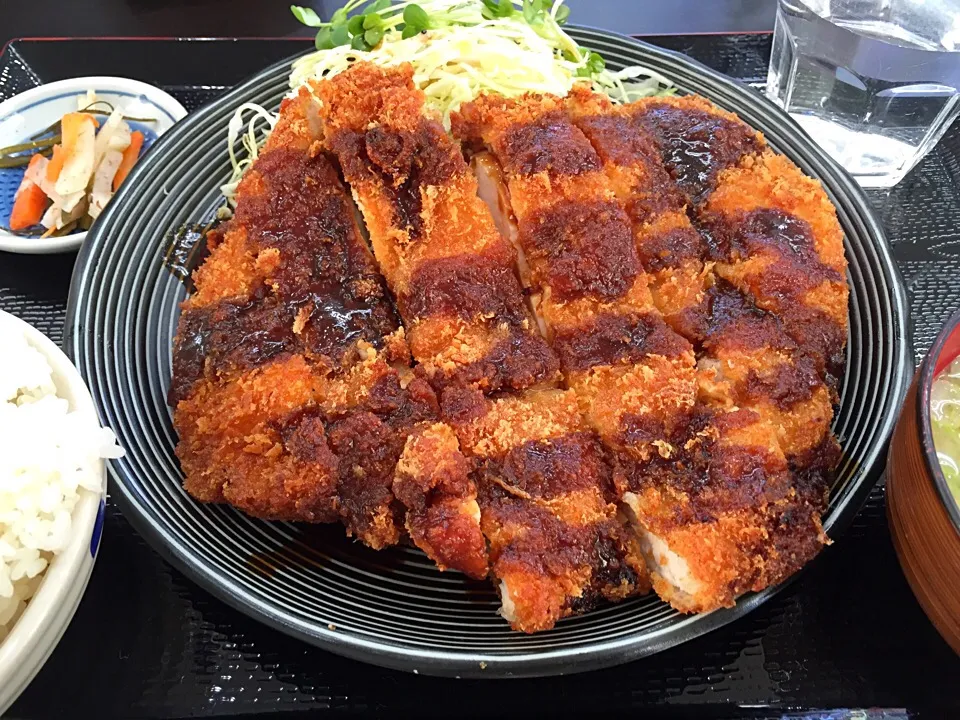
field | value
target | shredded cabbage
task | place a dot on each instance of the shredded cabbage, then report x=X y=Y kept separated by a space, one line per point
x=257 y=129
x=465 y=55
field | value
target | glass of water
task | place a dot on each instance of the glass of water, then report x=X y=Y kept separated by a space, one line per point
x=874 y=82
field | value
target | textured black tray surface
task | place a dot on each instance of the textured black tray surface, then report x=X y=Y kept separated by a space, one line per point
x=146 y=642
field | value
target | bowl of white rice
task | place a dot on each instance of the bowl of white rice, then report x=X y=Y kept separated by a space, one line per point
x=52 y=493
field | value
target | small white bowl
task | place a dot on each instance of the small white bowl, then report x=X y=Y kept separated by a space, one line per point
x=30 y=112
x=38 y=630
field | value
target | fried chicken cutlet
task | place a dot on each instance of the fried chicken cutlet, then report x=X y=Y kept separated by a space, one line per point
x=544 y=488
x=582 y=268
x=621 y=376
x=771 y=329
x=707 y=483
x=777 y=272
x=747 y=361
x=293 y=399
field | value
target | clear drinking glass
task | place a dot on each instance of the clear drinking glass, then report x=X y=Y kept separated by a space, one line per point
x=874 y=82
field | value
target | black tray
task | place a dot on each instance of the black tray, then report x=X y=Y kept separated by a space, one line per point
x=148 y=643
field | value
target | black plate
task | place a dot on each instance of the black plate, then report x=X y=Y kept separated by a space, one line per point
x=393 y=608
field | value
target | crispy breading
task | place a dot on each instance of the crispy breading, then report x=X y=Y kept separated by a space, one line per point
x=697 y=140
x=747 y=360
x=290 y=404
x=452 y=273
x=433 y=482
x=231 y=448
x=775 y=235
x=559 y=158
x=470 y=329
x=722 y=514
x=547 y=506
x=235 y=267
x=669 y=248
x=622 y=377
x=582 y=265
x=769 y=334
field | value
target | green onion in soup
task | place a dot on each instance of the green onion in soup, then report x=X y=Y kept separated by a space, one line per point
x=945 y=422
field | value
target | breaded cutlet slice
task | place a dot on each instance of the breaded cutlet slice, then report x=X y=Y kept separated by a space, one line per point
x=750 y=360
x=669 y=248
x=452 y=273
x=747 y=360
x=433 y=482
x=289 y=402
x=774 y=234
x=450 y=268
x=772 y=243
x=235 y=268
x=688 y=461
x=581 y=267
x=288 y=295
x=770 y=230
x=697 y=140
x=722 y=514
x=557 y=546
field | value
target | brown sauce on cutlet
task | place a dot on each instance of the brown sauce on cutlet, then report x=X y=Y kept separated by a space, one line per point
x=730 y=238
x=747 y=475
x=621 y=140
x=547 y=469
x=189 y=354
x=428 y=148
x=304 y=436
x=670 y=249
x=551 y=548
x=408 y=203
x=325 y=295
x=815 y=468
x=229 y=335
x=462 y=404
x=797 y=270
x=734 y=318
x=586 y=250
x=696 y=145
x=465 y=286
x=639 y=430
x=404 y=163
x=820 y=335
x=734 y=321
x=611 y=572
x=613 y=339
x=335 y=323
x=367 y=449
x=550 y=144
x=717 y=478
x=234 y=336
x=519 y=361
x=786 y=384
x=692 y=321
x=367 y=441
x=402 y=407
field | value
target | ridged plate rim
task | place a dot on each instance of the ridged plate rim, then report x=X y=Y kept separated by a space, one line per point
x=590 y=655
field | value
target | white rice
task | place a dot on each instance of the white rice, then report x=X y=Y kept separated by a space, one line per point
x=49 y=457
